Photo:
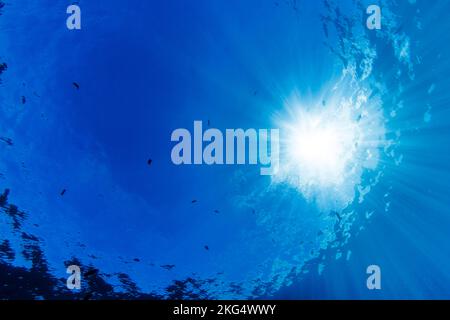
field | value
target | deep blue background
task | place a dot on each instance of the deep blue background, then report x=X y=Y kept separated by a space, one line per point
x=146 y=68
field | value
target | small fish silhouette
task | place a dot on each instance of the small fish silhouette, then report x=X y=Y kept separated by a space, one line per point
x=168 y=266
x=8 y=141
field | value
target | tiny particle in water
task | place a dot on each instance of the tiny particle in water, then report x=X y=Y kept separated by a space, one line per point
x=320 y=268
x=149 y=161
x=24 y=99
x=63 y=192
x=76 y=85
x=427 y=116
x=349 y=254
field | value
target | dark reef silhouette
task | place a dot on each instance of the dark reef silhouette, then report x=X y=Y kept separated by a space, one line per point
x=37 y=282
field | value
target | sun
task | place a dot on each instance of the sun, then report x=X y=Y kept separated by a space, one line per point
x=321 y=145
x=327 y=146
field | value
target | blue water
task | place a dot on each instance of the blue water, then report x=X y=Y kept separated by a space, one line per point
x=145 y=68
